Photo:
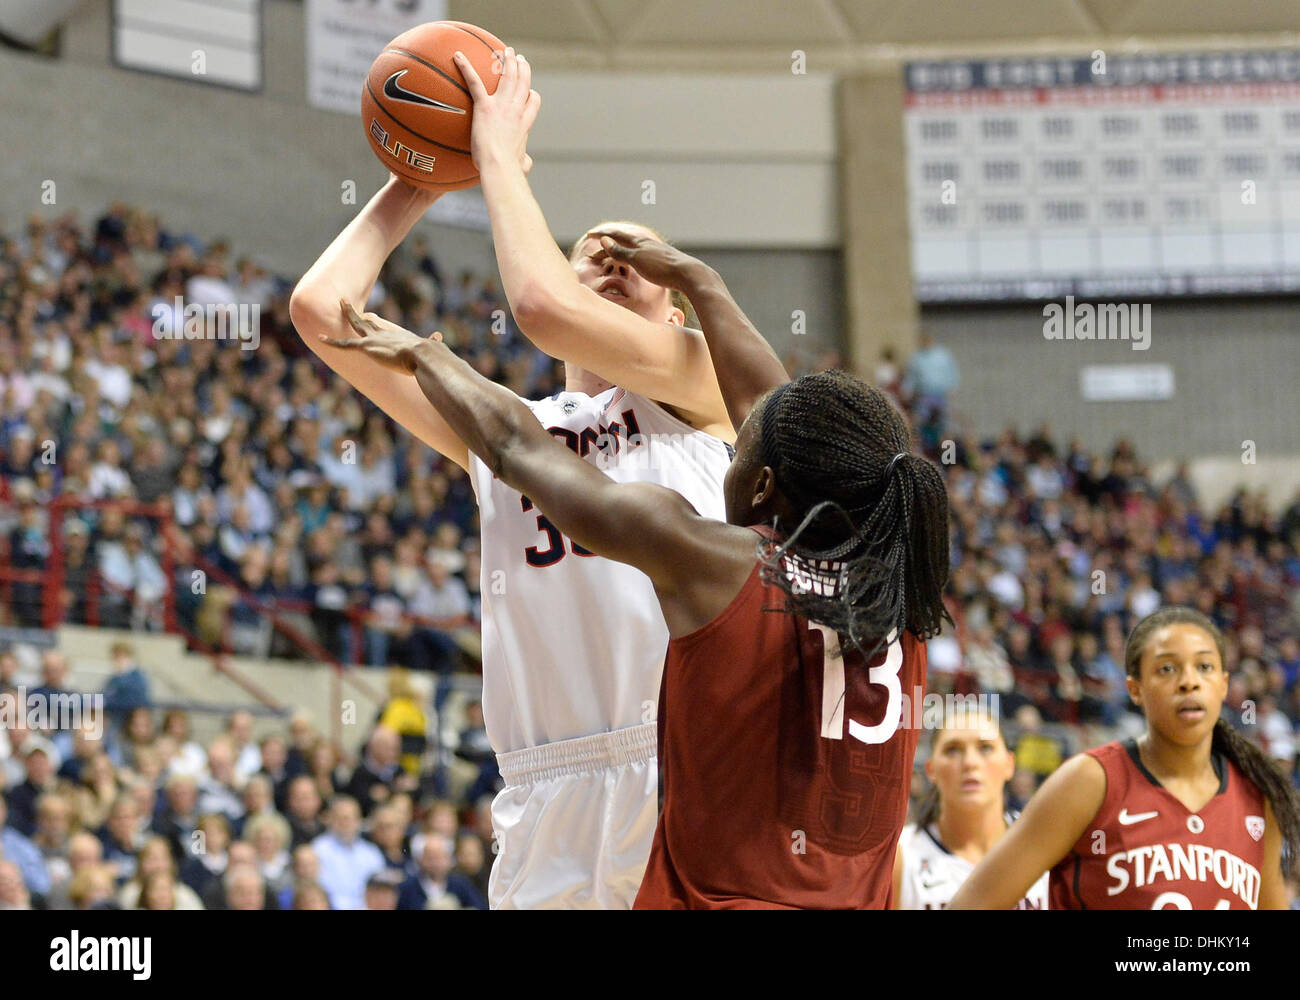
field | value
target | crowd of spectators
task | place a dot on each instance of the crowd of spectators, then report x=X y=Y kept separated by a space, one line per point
x=284 y=488
x=287 y=492
x=1057 y=552
x=111 y=803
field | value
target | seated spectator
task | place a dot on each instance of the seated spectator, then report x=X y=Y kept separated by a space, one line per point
x=62 y=706
x=244 y=888
x=475 y=748
x=248 y=757
x=54 y=817
x=97 y=791
x=326 y=770
x=219 y=791
x=435 y=886
x=388 y=833
x=20 y=851
x=138 y=733
x=309 y=896
x=84 y=853
x=305 y=870
x=40 y=779
x=472 y=861
x=1036 y=752
x=268 y=832
x=302 y=809
x=443 y=602
x=387 y=630
x=155 y=860
x=346 y=860
x=89 y=740
x=382 y=890
x=189 y=757
x=92 y=888
x=179 y=816
x=258 y=799
x=274 y=756
x=302 y=739
x=161 y=891
x=14 y=894
x=122 y=837
x=206 y=854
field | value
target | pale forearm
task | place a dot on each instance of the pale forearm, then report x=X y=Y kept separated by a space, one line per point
x=530 y=263
x=350 y=265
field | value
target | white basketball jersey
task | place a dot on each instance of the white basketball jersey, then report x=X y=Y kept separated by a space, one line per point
x=573 y=644
x=932 y=875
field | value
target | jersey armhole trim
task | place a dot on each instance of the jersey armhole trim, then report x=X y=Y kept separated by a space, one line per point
x=686 y=428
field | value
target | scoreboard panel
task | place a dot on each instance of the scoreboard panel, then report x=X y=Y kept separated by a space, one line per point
x=1156 y=175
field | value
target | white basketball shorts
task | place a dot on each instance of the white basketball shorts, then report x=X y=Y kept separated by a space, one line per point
x=574 y=823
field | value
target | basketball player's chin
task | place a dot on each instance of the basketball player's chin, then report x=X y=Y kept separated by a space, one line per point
x=1191 y=722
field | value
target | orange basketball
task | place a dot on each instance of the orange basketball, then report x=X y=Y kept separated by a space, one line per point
x=416 y=108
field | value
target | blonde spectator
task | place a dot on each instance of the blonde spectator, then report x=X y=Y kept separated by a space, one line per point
x=269 y=835
x=92 y=888
x=96 y=792
x=13 y=894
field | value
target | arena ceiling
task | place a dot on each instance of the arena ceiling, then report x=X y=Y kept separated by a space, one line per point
x=607 y=32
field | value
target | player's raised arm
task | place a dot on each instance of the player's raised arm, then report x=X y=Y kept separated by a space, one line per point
x=669 y=542
x=1053 y=821
x=562 y=317
x=744 y=361
x=348 y=269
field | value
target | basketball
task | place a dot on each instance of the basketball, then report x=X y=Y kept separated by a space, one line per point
x=416 y=108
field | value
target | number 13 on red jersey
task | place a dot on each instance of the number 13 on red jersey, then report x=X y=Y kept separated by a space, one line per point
x=833 y=700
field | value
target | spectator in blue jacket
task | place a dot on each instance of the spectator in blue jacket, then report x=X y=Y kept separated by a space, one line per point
x=128 y=688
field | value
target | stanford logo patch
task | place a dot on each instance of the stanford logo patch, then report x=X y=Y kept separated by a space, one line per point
x=1255 y=827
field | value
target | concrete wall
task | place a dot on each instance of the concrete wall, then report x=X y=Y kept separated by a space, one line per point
x=1235 y=366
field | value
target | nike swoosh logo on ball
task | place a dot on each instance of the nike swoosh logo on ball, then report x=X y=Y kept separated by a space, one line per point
x=397 y=92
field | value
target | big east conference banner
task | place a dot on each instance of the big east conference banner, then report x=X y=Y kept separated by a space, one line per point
x=1105 y=174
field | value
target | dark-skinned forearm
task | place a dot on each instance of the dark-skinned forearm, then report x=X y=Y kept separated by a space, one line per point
x=488 y=417
x=743 y=360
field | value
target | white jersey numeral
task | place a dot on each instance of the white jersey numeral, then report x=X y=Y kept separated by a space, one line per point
x=1180 y=902
x=833 y=691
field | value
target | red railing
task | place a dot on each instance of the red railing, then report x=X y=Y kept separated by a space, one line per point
x=52 y=577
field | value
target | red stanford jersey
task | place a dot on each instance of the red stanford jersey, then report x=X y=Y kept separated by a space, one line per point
x=785 y=773
x=1144 y=850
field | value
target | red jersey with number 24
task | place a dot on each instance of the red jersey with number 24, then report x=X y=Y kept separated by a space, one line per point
x=1145 y=850
x=785 y=771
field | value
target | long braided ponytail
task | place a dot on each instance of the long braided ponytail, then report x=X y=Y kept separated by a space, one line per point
x=867 y=555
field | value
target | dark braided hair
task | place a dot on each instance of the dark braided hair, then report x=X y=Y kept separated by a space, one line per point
x=867 y=552
x=1262 y=772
